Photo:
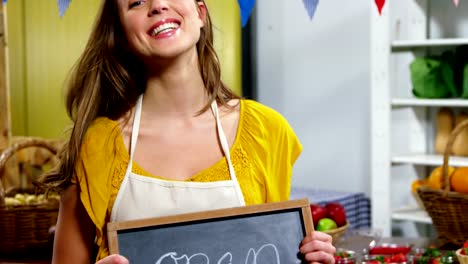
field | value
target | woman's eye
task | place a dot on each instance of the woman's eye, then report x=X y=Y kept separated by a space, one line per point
x=136 y=3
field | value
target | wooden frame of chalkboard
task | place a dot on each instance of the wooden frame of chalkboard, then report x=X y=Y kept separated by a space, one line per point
x=285 y=223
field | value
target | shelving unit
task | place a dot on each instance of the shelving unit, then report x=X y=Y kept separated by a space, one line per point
x=413 y=102
x=402 y=126
x=413 y=44
x=423 y=159
x=411 y=213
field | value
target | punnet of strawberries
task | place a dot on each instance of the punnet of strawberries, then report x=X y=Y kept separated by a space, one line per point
x=464 y=250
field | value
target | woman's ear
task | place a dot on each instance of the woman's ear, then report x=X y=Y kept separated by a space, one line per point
x=202 y=12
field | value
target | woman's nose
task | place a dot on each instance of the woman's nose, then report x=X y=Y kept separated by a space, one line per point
x=158 y=7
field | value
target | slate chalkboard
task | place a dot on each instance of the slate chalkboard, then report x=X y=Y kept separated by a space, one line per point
x=260 y=234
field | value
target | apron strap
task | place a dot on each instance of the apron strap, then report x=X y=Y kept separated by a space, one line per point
x=225 y=147
x=133 y=141
x=135 y=131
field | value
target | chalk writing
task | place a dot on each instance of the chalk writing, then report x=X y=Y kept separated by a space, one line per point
x=251 y=257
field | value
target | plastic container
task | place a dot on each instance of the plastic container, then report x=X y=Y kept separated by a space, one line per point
x=463 y=259
x=399 y=258
x=388 y=249
x=344 y=256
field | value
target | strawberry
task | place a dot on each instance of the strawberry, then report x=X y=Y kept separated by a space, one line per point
x=436 y=261
x=398 y=258
x=465 y=245
x=464 y=250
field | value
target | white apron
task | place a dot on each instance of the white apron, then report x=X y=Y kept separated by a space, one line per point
x=145 y=197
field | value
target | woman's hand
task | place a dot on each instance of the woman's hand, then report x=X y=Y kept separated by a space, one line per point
x=317 y=248
x=113 y=259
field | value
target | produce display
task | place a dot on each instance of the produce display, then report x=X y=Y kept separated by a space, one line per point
x=464 y=249
x=462 y=254
x=399 y=253
x=328 y=217
x=445 y=125
x=30 y=199
x=433 y=255
x=458 y=178
x=460 y=144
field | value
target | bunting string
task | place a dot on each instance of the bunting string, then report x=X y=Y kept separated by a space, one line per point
x=246 y=7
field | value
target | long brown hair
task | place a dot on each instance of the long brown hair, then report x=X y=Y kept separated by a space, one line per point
x=107 y=80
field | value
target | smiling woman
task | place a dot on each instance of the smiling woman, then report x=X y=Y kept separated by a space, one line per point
x=157 y=132
x=41 y=39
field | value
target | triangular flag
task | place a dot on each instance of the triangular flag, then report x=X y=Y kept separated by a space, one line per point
x=246 y=7
x=311 y=6
x=380 y=4
x=63 y=6
x=455 y=2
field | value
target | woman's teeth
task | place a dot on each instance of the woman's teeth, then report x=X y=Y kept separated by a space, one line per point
x=164 y=27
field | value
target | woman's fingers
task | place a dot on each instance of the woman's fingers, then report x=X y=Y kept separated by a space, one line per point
x=317 y=247
x=113 y=259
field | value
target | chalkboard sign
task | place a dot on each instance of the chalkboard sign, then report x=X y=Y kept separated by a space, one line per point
x=262 y=234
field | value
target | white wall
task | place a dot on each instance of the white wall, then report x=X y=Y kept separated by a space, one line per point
x=316 y=73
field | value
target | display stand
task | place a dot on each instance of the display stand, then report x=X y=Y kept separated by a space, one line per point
x=403 y=126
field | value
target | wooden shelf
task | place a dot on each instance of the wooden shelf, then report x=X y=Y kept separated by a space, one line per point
x=411 y=102
x=425 y=43
x=412 y=213
x=429 y=160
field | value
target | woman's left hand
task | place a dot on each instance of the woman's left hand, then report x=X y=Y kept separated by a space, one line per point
x=317 y=248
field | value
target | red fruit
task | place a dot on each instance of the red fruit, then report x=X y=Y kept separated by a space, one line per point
x=436 y=261
x=336 y=212
x=465 y=245
x=318 y=212
x=398 y=258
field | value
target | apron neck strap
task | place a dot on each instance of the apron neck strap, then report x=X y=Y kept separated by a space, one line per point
x=135 y=129
x=223 y=140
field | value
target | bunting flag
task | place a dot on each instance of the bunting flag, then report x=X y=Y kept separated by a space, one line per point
x=63 y=6
x=246 y=7
x=310 y=6
x=380 y=4
x=455 y=2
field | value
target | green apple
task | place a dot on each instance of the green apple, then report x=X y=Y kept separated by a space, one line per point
x=326 y=224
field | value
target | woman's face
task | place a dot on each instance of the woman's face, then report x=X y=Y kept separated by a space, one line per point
x=162 y=28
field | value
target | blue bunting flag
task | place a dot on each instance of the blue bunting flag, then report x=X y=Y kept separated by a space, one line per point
x=246 y=7
x=63 y=6
x=311 y=6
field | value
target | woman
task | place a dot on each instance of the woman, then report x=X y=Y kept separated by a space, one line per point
x=151 y=115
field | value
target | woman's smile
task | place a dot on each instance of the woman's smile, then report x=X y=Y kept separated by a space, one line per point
x=165 y=28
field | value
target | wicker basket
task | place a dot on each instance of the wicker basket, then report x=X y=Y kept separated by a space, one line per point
x=25 y=228
x=448 y=209
x=337 y=233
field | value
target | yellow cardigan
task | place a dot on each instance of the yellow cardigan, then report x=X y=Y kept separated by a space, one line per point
x=263 y=153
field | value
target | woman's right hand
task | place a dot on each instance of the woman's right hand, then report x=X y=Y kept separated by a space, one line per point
x=113 y=259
